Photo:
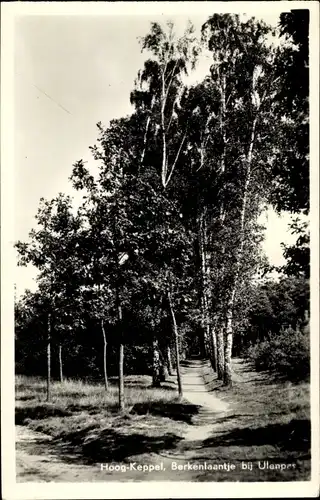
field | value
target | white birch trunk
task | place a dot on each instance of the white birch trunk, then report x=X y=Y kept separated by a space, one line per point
x=205 y=274
x=156 y=364
x=60 y=363
x=105 y=374
x=213 y=339
x=176 y=342
x=229 y=311
x=121 y=379
x=220 y=353
x=121 y=358
x=163 y=130
x=49 y=359
x=224 y=141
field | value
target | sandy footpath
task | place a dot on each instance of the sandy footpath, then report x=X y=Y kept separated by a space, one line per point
x=38 y=460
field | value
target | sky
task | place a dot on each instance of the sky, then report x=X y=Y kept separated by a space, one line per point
x=71 y=72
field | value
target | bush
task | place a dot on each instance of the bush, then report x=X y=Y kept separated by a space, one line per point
x=286 y=353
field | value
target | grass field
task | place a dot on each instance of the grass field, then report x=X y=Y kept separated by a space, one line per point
x=85 y=418
x=268 y=422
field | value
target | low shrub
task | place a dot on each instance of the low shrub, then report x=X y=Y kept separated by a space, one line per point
x=286 y=353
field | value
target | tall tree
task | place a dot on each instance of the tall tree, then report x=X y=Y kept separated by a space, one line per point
x=159 y=88
x=291 y=171
x=291 y=185
x=244 y=75
x=50 y=250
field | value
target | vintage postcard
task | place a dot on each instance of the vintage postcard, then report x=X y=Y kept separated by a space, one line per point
x=160 y=249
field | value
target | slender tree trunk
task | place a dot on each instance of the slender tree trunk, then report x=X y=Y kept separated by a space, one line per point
x=203 y=323
x=227 y=380
x=121 y=357
x=210 y=350
x=206 y=345
x=176 y=342
x=208 y=294
x=229 y=312
x=217 y=334
x=156 y=364
x=49 y=359
x=224 y=141
x=121 y=379
x=164 y=138
x=205 y=272
x=105 y=374
x=60 y=363
x=210 y=338
x=165 y=178
x=213 y=349
x=220 y=353
x=169 y=360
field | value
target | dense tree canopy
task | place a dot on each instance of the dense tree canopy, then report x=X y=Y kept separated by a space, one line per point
x=164 y=253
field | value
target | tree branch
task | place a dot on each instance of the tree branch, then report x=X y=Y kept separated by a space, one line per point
x=176 y=159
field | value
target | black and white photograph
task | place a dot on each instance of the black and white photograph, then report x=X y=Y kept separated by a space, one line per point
x=160 y=292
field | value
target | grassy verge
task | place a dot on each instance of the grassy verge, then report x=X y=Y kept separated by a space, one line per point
x=268 y=422
x=83 y=418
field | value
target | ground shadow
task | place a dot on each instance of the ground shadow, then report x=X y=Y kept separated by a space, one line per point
x=193 y=364
x=165 y=386
x=293 y=436
x=169 y=385
x=109 y=445
x=176 y=411
x=38 y=413
x=26 y=398
x=37 y=391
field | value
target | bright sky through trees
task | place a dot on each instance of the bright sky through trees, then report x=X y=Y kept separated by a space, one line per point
x=70 y=73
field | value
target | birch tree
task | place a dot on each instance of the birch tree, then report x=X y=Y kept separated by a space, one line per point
x=158 y=93
x=159 y=88
x=243 y=70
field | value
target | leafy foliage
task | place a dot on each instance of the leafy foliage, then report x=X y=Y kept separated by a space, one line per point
x=286 y=353
x=291 y=171
x=167 y=235
x=298 y=255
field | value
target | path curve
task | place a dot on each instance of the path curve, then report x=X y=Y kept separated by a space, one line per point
x=37 y=460
x=195 y=391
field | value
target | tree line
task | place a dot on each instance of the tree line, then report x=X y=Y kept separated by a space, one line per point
x=163 y=257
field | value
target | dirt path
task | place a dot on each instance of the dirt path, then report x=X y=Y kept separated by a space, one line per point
x=195 y=391
x=38 y=460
